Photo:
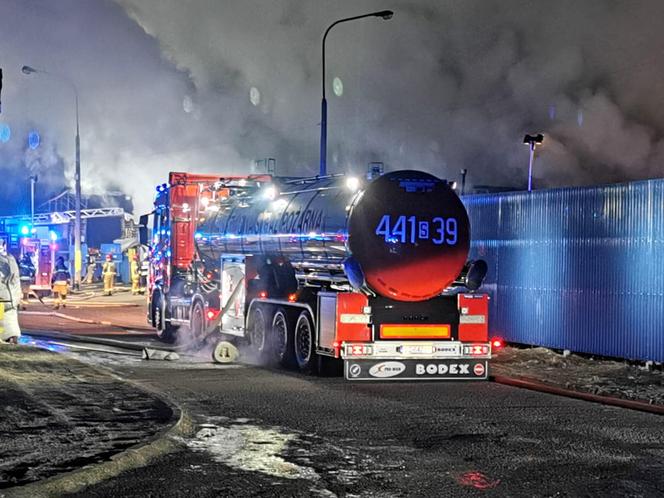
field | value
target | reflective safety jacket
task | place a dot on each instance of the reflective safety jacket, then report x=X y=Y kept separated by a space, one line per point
x=108 y=268
x=10 y=282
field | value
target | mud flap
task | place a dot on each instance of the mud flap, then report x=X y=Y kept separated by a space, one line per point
x=420 y=369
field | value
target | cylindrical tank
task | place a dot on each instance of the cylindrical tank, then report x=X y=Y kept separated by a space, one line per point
x=404 y=236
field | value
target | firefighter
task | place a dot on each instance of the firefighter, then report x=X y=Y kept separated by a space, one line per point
x=135 y=275
x=108 y=271
x=90 y=269
x=10 y=295
x=60 y=283
x=26 y=270
x=145 y=270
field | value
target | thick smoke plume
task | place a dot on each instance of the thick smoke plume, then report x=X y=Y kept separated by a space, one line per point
x=209 y=86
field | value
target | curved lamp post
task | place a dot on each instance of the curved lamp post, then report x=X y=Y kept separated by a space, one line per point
x=384 y=14
x=77 y=177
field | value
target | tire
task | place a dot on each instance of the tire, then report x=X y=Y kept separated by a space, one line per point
x=281 y=339
x=303 y=343
x=165 y=331
x=197 y=322
x=257 y=330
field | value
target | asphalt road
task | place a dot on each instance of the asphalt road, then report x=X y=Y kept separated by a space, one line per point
x=272 y=433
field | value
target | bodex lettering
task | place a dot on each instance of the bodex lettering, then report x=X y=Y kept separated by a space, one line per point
x=442 y=369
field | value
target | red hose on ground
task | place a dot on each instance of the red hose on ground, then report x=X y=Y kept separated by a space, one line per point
x=559 y=391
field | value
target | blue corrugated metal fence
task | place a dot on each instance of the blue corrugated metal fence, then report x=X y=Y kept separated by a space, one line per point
x=576 y=268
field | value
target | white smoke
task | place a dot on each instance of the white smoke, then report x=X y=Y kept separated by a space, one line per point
x=209 y=86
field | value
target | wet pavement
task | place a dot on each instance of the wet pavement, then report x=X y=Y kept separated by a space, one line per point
x=262 y=432
x=59 y=415
x=89 y=312
x=266 y=432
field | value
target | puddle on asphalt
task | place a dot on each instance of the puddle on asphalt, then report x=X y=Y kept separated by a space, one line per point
x=243 y=445
x=250 y=448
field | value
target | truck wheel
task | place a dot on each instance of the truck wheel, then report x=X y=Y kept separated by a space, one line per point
x=197 y=323
x=257 y=330
x=282 y=339
x=304 y=343
x=165 y=331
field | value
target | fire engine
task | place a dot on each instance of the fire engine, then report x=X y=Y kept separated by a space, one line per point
x=313 y=272
x=41 y=253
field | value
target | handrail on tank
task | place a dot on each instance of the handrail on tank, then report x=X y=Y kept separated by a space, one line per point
x=313 y=178
x=318 y=189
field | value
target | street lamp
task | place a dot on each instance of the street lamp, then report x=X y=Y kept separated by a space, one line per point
x=77 y=177
x=384 y=14
x=532 y=141
x=33 y=181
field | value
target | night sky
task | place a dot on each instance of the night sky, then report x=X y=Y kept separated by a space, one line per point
x=212 y=85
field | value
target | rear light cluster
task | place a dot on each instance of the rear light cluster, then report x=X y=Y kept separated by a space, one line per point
x=476 y=349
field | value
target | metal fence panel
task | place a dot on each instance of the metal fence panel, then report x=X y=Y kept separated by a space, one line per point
x=576 y=268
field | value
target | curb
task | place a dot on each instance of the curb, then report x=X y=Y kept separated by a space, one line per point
x=140 y=455
x=595 y=398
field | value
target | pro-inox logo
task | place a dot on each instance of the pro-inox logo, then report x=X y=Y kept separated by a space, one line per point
x=387 y=369
x=354 y=370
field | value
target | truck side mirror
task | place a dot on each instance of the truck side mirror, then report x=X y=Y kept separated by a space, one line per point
x=143 y=230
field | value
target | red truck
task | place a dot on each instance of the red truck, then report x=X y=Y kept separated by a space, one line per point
x=310 y=272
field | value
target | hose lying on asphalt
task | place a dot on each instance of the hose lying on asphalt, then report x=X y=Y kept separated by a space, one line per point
x=99 y=340
x=221 y=351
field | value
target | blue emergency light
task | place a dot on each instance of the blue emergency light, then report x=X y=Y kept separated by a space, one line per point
x=33 y=140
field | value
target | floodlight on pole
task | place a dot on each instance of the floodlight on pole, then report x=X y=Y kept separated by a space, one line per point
x=464 y=172
x=532 y=141
x=383 y=14
x=78 y=259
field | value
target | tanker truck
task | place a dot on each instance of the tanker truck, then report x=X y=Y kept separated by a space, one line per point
x=321 y=273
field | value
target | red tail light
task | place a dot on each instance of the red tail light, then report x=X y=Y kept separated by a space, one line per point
x=292 y=298
x=497 y=343
x=262 y=294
